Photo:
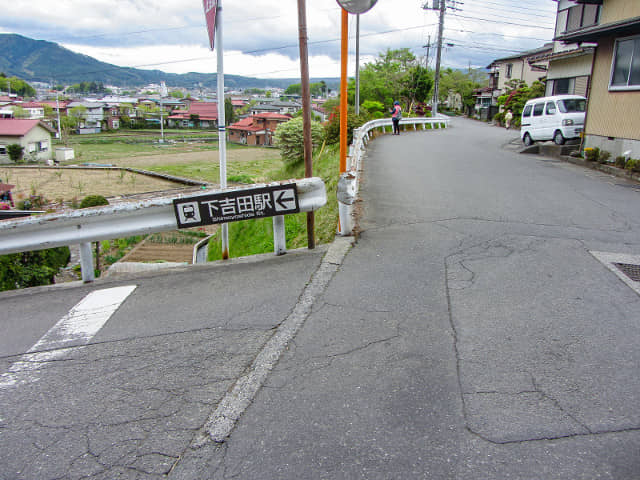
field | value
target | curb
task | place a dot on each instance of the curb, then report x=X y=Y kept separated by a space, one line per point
x=223 y=420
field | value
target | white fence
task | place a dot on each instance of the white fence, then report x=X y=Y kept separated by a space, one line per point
x=126 y=219
x=349 y=182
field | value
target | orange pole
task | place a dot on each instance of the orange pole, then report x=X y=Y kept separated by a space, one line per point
x=343 y=91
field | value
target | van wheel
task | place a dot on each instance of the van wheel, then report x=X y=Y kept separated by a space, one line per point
x=558 y=139
x=527 y=140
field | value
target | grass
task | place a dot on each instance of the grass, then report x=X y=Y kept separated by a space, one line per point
x=253 y=237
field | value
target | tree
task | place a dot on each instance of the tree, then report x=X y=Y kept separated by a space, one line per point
x=15 y=152
x=395 y=75
x=31 y=269
x=289 y=138
x=229 y=112
x=462 y=83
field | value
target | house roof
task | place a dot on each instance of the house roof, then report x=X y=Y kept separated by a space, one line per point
x=273 y=116
x=246 y=124
x=17 y=127
x=624 y=27
x=529 y=53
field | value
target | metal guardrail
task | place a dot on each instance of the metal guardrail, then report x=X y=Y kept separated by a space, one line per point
x=128 y=219
x=349 y=181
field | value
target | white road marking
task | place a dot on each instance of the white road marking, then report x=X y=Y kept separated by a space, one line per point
x=77 y=328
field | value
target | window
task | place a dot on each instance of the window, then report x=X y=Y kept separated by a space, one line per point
x=563 y=86
x=509 y=70
x=625 y=72
x=527 y=111
x=572 y=105
x=3 y=149
x=582 y=16
x=551 y=108
x=538 y=109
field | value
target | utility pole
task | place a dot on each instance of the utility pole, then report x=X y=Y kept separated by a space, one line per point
x=428 y=47
x=436 y=85
x=357 y=64
x=306 y=110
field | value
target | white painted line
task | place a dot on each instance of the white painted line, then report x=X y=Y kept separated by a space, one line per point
x=77 y=328
x=84 y=320
x=609 y=259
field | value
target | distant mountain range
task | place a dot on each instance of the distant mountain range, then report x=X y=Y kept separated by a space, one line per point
x=42 y=61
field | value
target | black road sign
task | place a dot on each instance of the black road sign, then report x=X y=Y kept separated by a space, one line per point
x=236 y=205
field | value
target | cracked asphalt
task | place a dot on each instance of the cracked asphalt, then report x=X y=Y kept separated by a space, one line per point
x=468 y=334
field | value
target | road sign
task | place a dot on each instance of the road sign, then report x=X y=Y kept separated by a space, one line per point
x=210 y=8
x=236 y=205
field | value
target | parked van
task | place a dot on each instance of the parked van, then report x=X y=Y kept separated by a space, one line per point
x=556 y=118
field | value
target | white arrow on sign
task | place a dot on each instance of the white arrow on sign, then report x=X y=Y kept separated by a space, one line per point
x=282 y=203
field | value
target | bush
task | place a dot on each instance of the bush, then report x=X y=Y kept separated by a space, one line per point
x=289 y=138
x=332 y=129
x=31 y=269
x=621 y=162
x=15 y=152
x=591 y=154
x=604 y=157
x=93 y=201
x=633 y=166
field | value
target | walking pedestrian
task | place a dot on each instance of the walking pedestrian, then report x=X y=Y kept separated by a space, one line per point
x=507 y=119
x=396 y=115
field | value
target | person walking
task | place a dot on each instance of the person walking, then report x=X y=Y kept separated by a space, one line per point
x=507 y=119
x=396 y=115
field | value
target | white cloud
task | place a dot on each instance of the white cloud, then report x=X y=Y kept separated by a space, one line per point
x=169 y=34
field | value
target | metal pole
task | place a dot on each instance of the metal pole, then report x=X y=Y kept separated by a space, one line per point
x=222 y=136
x=306 y=112
x=161 y=120
x=86 y=262
x=343 y=91
x=358 y=64
x=58 y=109
x=436 y=86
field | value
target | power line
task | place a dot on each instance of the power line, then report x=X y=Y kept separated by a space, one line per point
x=500 y=22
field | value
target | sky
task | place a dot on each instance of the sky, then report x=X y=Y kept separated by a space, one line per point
x=260 y=37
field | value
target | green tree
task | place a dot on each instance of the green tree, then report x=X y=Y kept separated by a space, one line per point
x=15 y=152
x=460 y=82
x=393 y=76
x=289 y=138
x=229 y=112
x=31 y=269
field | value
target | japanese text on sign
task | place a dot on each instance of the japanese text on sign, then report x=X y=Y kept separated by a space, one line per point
x=236 y=205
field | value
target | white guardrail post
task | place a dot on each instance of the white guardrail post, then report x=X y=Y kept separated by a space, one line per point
x=81 y=227
x=348 y=182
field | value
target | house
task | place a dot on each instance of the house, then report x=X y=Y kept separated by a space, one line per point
x=256 y=129
x=529 y=66
x=197 y=114
x=570 y=64
x=612 y=120
x=33 y=110
x=91 y=122
x=33 y=135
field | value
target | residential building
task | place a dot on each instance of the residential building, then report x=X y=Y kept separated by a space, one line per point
x=256 y=129
x=198 y=114
x=612 y=121
x=91 y=122
x=528 y=67
x=33 y=135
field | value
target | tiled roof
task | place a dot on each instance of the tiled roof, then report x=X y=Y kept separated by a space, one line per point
x=273 y=116
x=12 y=127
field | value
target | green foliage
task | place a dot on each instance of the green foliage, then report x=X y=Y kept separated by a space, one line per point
x=15 y=151
x=621 y=162
x=289 y=138
x=17 y=86
x=317 y=89
x=87 y=87
x=517 y=95
x=462 y=83
x=591 y=154
x=633 y=165
x=395 y=75
x=229 y=112
x=332 y=128
x=93 y=201
x=31 y=269
x=256 y=236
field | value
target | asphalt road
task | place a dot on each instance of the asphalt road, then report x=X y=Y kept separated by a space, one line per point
x=471 y=333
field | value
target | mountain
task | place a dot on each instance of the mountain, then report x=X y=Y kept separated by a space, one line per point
x=42 y=61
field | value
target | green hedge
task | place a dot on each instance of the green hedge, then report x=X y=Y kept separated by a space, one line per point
x=31 y=269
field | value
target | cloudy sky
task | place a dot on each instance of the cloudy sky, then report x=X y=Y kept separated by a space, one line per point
x=261 y=37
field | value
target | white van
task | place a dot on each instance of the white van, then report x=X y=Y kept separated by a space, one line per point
x=556 y=118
